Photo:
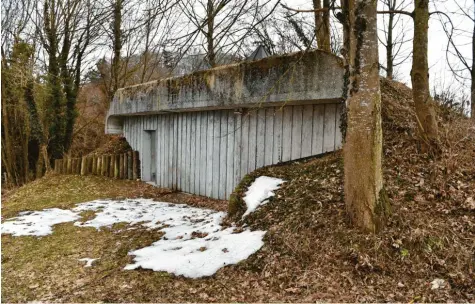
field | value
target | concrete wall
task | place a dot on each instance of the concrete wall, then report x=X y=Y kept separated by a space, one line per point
x=299 y=78
x=208 y=152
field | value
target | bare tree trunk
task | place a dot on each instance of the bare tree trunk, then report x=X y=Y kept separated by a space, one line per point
x=425 y=111
x=365 y=198
x=210 y=33
x=117 y=46
x=389 y=47
x=322 y=25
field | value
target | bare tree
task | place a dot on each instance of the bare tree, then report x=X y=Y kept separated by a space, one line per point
x=462 y=67
x=394 y=35
x=221 y=26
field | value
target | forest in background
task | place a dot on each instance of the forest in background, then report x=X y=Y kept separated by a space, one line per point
x=62 y=60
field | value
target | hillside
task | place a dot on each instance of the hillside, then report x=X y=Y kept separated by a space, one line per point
x=311 y=251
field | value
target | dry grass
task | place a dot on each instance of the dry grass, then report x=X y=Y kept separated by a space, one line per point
x=311 y=251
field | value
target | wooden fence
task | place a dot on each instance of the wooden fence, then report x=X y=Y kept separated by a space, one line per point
x=119 y=166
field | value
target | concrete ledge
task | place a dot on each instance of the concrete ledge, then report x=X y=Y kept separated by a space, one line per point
x=298 y=78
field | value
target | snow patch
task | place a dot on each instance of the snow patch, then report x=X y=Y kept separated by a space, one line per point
x=194 y=243
x=88 y=261
x=37 y=223
x=260 y=190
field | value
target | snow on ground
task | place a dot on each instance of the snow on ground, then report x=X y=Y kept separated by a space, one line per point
x=260 y=190
x=194 y=243
x=88 y=261
x=37 y=223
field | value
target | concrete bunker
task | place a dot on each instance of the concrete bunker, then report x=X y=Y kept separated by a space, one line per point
x=202 y=132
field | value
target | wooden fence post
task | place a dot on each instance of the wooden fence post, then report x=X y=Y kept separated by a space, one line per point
x=135 y=161
x=129 y=165
x=116 y=166
x=99 y=165
x=89 y=166
x=68 y=170
x=94 y=164
x=111 y=165
x=121 y=166
x=126 y=175
x=73 y=166
x=88 y=163
x=83 y=165
x=105 y=165
x=78 y=166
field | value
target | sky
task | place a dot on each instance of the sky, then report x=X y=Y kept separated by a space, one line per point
x=441 y=77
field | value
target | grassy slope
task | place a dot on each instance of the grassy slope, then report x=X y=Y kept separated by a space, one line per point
x=311 y=252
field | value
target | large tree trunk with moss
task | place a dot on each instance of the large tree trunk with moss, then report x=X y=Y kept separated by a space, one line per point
x=364 y=194
x=425 y=111
x=322 y=24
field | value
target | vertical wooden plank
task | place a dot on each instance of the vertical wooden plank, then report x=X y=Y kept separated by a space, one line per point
x=230 y=154
x=196 y=159
x=237 y=149
x=192 y=152
x=317 y=133
x=260 y=137
x=203 y=155
x=297 y=132
x=179 y=151
x=189 y=160
x=209 y=156
x=287 y=133
x=216 y=162
x=329 y=128
x=166 y=146
x=252 y=157
x=307 y=128
x=175 y=151
x=184 y=152
x=277 y=146
x=338 y=135
x=223 y=154
x=269 y=136
x=161 y=156
x=244 y=145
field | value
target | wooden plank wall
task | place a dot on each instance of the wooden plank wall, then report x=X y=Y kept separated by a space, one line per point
x=208 y=152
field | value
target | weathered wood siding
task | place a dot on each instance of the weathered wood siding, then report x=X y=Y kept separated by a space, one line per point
x=208 y=152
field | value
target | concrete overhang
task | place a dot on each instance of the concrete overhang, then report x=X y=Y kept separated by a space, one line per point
x=298 y=78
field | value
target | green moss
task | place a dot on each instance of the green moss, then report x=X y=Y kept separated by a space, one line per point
x=237 y=206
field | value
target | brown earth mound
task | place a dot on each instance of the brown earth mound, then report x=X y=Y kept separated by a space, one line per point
x=312 y=253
